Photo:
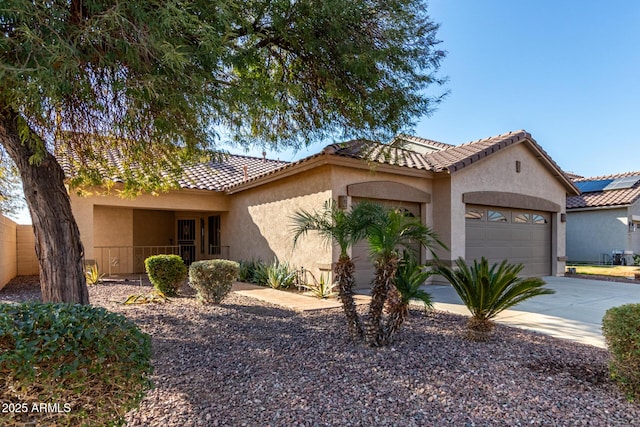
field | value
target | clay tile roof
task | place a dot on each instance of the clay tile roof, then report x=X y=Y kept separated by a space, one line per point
x=213 y=175
x=379 y=153
x=454 y=158
x=218 y=176
x=605 y=198
x=404 y=138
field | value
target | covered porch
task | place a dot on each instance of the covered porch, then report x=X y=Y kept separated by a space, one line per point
x=119 y=234
x=125 y=237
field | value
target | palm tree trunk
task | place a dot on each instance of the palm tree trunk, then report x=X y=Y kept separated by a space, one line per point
x=58 y=245
x=344 y=270
x=397 y=313
x=385 y=273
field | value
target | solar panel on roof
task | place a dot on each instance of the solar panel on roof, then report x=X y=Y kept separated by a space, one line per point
x=622 y=183
x=593 y=186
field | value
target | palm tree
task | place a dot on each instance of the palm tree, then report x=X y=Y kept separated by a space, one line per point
x=408 y=281
x=344 y=229
x=388 y=232
x=486 y=291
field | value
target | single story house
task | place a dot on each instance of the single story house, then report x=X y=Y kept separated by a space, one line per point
x=501 y=197
x=603 y=223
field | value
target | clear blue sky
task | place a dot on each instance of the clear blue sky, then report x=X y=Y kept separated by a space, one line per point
x=567 y=71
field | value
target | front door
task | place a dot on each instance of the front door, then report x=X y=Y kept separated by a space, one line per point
x=187 y=239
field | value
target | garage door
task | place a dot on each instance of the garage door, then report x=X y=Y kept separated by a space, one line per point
x=360 y=252
x=520 y=236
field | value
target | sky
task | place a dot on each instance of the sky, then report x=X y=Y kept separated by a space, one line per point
x=566 y=71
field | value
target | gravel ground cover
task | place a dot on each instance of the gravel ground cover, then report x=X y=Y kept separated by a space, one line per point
x=248 y=363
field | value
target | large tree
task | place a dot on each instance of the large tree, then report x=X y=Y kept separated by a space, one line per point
x=159 y=81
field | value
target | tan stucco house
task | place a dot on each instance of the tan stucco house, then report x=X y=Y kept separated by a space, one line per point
x=501 y=197
x=603 y=223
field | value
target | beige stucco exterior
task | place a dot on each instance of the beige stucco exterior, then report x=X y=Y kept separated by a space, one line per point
x=255 y=217
x=17 y=249
x=119 y=233
x=498 y=174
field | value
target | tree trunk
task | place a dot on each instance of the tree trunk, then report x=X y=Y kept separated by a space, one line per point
x=385 y=273
x=344 y=270
x=58 y=245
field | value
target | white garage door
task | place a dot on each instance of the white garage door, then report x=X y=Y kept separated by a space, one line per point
x=360 y=252
x=520 y=236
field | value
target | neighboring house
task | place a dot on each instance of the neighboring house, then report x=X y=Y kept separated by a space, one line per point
x=500 y=197
x=603 y=223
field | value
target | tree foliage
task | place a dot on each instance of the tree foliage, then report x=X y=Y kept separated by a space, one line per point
x=163 y=79
x=136 y=89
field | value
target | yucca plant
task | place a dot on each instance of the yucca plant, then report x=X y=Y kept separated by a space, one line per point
x=322 y=288
x=279 y=275
x=406 y=287
x=488 y=290
x=93 y=275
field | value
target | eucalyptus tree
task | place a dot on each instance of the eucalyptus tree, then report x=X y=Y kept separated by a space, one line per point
x=159 y=81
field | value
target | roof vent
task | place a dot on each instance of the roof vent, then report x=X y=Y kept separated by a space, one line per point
x=264 y=157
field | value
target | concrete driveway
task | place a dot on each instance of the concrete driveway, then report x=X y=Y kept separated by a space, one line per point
x=574 y=312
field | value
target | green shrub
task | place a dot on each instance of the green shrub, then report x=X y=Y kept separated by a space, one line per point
x=166 y=272
x=213 y=279
x=621 y=329
x=93 y=363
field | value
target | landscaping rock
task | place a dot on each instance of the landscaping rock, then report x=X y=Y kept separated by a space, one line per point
x=250 y=363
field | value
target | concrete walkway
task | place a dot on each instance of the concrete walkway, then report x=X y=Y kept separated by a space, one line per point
x=574 y=312
x=290 y=300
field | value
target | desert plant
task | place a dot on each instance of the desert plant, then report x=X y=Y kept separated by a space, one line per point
x=247 y=270
x=636 y=259
x=280 y=275
x=486 y=291
x=93 y=274
x=94 y=361
x=213 y=279
x=621 y=329
x=322 y=288
x=342 y=227
x=166 y=272
x=389 y=231
x=155 y=297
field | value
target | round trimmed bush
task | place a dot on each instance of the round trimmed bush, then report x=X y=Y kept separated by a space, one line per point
x=92 y=363
x=213 y=278
x=166 y=272
x=621 y=329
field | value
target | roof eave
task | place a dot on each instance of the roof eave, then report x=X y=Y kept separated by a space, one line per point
x=326 y=158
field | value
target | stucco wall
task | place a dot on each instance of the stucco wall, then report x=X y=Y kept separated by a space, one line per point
x=187 y=200
x=26 y=252
x=259 y=224
x=153 y=228
x=634 y=236
x=8 y=263
x=114 y=230
x=498 y=173
x=593 y=233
